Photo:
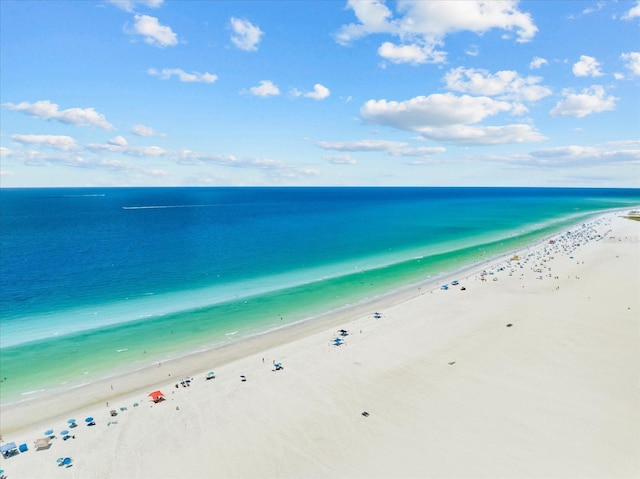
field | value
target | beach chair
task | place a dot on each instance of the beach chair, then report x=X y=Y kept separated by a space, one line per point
x=64 y=461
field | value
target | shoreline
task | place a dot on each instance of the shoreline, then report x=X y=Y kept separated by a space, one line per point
x=553 y=394
x=195 y=362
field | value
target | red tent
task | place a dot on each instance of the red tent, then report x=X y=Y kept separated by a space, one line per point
x=156 y=396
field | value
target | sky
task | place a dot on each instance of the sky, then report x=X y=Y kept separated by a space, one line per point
x=319 y=93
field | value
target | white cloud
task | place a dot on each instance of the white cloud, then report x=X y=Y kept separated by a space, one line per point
x=589 y=10
x=577 y=154
x=433 y=110
x=266 y=88
x=483 y=135
x=590 y=100
x=130 y=5
x=58 y=142
x=246 y=36
x=194 y=77
x=632 y=62
x=5 y=152
x=446 y=117
x=394 y=148
x=142 y=130
x=120 y=145
x=473 y=50
x=340 y=159
x=320 y=92
x=153 y=32
x=587 y=66
x=118 y=141
x=73 y=116
x=414 y=54
x=506 y=84
x=362 y=145
x=537 y=62
x=634 y=12
x=421 y=26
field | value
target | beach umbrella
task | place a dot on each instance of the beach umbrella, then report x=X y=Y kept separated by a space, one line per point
x=90 y=421
x=48 y=432
x=70 y=421
x=156 y=396
x=64 y=433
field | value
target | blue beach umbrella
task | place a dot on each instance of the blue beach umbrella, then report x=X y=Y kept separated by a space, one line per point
x=71 y=421
x=90 y=421
x=48 y=432
x=64 y=433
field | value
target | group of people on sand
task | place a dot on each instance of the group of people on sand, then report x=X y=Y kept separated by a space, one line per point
x=184 y=383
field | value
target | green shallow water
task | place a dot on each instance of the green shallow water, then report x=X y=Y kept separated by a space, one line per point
x=91 y=355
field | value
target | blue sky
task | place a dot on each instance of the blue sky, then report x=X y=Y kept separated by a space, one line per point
x=366 y=92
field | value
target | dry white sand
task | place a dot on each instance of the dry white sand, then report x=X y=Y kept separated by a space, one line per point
x=450 y=390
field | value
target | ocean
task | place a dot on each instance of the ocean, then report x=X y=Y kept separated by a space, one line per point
x=97 y=280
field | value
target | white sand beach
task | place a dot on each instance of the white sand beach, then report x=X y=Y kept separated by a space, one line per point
x=531 y=371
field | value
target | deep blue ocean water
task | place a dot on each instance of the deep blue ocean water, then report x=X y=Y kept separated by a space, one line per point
x=105 y=273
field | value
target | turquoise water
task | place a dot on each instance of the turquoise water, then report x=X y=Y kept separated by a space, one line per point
x=97 y=280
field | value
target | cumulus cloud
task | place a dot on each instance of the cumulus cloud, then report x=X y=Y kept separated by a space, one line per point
x=266 y=88
x=130 y=5
x=246 y=36
x=320 y=92
x=118 y=141
x=194 y=77
x=587 y=66
x=632 y=62
x=58 y=142
x=590 y=100
x=47 y=110
x=634 y=12
x=394 y=148
x=447 y=118
x=153 y=32
x=415 y=54
x=433 y=110
x=422 y=26
x=537 y=62
x=506 y=84
x=143 y=130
